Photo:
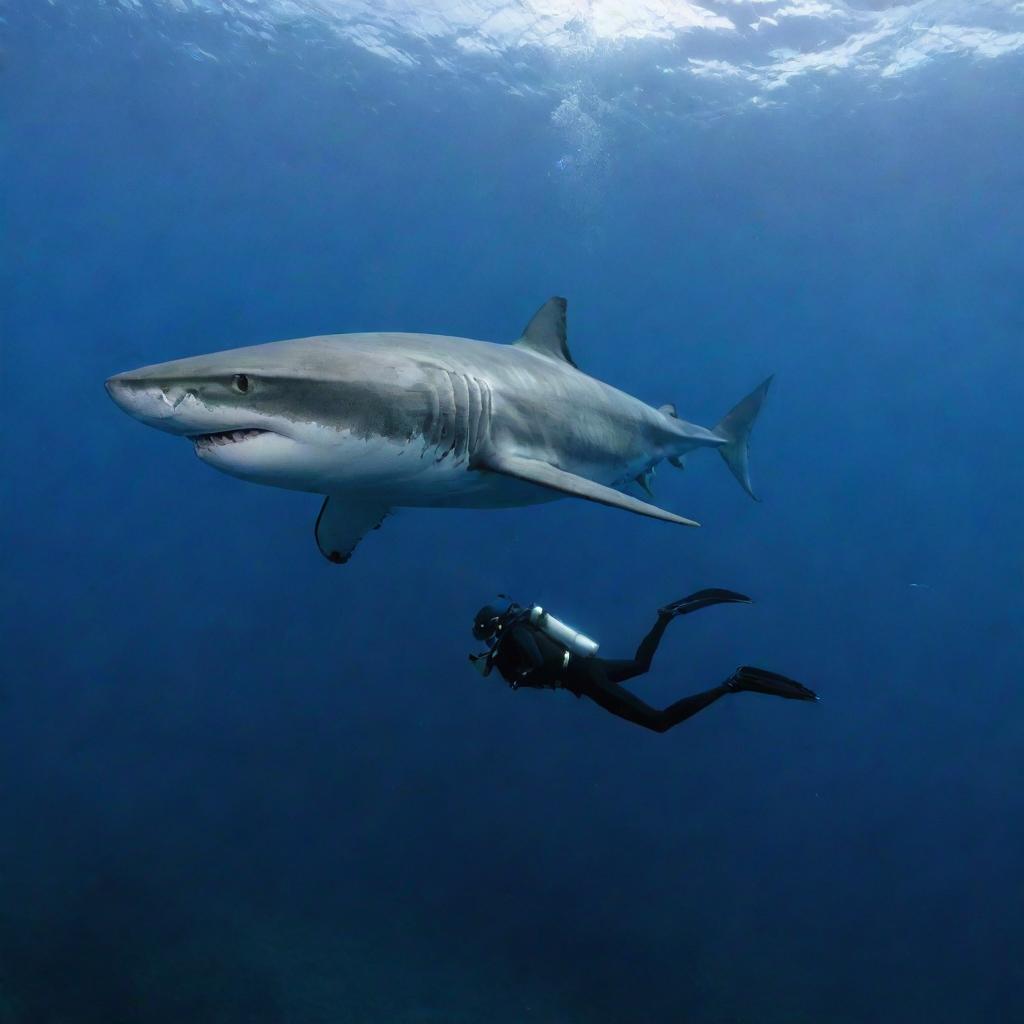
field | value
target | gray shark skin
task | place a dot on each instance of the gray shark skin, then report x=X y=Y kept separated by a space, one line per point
x=385 y=420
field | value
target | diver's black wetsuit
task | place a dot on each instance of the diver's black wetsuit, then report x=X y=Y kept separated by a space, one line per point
x=527 y=657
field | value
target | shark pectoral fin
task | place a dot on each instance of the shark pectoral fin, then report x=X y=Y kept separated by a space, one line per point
x=342 y=523
x=543 y=474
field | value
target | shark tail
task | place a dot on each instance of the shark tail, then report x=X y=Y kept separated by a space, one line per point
x=734 y=428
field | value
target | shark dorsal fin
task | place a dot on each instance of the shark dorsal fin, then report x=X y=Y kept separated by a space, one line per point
x=545 y=333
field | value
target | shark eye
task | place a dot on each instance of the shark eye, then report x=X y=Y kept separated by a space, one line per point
x=240 y=382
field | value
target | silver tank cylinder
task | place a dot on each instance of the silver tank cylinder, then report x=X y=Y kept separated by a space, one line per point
x=572 y=640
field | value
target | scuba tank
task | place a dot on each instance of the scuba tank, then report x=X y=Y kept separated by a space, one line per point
x=571 y=639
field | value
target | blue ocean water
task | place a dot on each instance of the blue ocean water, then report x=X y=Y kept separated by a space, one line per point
x=240 y=784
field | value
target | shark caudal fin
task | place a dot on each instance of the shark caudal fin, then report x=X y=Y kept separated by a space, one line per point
x=735 y=429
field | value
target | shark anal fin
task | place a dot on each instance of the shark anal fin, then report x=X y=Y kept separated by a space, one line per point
x=546 y=334
x=342 y=524
x=543 y=474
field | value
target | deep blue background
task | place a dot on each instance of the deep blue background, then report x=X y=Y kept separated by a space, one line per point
x=240 y=784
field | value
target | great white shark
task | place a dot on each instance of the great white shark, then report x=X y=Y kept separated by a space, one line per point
x=385 y=420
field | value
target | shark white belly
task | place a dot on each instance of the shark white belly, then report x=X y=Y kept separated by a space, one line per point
x=377 y=421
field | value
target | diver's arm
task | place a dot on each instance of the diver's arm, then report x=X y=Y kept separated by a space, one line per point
x=527 y=653
x=521 y=657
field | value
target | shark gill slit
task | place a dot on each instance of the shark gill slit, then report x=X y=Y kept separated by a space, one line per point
x=483 y=428
x=448 y=415
x=472 y=416
x=441 y=420
x=430 y=422
x=461 y=390
x=485 y=441
x=475 y=410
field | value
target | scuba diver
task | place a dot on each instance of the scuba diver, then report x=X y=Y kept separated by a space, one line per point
x=531 y=648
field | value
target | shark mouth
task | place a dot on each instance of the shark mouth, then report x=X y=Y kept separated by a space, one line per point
x=204 y=442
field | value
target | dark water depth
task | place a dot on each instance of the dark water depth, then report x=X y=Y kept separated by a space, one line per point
x=242 y=785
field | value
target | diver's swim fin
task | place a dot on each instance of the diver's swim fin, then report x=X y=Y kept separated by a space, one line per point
x=703 y=599
x=759 y=680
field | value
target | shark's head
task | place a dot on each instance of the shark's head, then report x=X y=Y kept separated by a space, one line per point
x=284 y=414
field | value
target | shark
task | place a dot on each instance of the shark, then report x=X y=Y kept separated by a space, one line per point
x=385 y=420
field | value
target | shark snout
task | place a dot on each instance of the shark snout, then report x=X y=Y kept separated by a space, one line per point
x=118 y=389
x=151 y=402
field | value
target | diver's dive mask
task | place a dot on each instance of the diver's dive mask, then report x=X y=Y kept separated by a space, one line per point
x=487 y=623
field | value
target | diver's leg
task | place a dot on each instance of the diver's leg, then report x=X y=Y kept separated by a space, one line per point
x=619 y=671
x=619 y=701
x=649 y=645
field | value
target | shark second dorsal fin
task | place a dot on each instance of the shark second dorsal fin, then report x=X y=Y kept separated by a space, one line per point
x=545 y=333
x=543 y=474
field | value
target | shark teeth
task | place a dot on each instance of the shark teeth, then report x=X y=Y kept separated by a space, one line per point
x=223 y=437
